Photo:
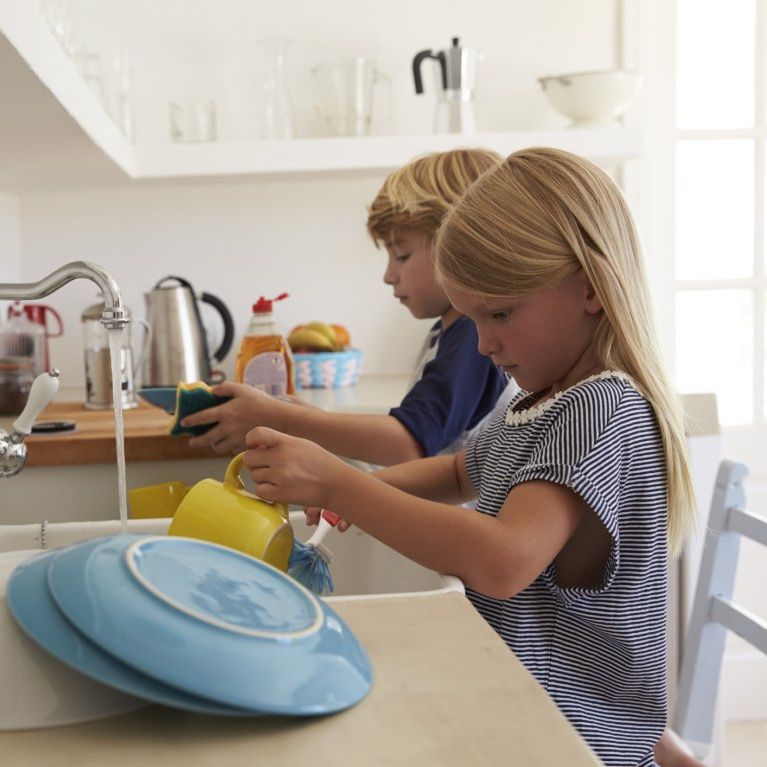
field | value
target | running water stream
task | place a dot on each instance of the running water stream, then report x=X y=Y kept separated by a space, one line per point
x=115 y=343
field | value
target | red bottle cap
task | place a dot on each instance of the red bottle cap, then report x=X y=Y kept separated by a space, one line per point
x=265 y=304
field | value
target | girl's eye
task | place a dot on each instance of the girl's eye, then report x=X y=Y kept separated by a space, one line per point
x=501 y=315
x=403 y=257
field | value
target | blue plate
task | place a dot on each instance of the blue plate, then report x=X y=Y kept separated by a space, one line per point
x=213 y=622
x=33 y=609
x=160 y=396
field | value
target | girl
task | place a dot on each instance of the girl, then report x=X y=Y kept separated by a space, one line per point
x=581 y=482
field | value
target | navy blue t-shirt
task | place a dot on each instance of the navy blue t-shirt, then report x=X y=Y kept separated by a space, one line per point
x=455 y=391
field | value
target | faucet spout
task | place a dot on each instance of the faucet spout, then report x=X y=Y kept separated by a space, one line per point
x=114 y=315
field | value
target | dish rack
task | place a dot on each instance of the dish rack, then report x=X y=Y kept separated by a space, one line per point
x=328 y=370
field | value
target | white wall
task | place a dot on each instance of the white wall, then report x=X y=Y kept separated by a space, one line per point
x=235 y=241
x=10 y=238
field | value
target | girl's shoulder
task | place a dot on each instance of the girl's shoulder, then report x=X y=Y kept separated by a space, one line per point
x=603 y=392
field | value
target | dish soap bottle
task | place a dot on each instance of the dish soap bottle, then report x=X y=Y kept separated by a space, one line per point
x=264 y=359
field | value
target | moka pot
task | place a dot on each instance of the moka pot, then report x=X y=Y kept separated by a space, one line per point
x=456 y=74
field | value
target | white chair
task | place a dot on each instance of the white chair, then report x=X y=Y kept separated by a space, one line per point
x=714 y=612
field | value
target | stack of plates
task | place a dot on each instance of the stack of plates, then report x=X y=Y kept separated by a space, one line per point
x=189 y=624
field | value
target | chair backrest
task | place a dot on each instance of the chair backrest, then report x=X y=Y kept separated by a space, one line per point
x=714 y=612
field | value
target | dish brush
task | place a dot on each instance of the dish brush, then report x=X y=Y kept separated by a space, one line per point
x=310 y=562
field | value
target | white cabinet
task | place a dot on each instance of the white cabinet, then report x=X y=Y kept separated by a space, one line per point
x=54 y=133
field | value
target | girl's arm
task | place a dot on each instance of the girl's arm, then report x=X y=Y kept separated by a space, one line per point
x=440 y=478
x=498 y=556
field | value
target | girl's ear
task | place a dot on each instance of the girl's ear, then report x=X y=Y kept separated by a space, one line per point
x=592 y=303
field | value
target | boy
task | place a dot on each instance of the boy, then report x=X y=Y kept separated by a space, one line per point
x=453 y=386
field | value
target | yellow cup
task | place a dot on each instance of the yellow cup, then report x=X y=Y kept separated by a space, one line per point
x=225 y=513
x=160 y=500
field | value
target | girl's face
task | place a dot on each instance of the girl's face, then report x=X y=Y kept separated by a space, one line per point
x=544 y=340
x=410 y=273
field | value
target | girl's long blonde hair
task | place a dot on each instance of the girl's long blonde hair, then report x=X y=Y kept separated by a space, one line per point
x=535 y=220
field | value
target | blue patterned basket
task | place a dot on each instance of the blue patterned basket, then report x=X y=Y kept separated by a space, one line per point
x=328 y=370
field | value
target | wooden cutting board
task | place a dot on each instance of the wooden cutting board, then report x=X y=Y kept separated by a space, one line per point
x=93 y=441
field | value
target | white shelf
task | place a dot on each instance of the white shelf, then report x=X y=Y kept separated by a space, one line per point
x=365 y=154
x=54 y=132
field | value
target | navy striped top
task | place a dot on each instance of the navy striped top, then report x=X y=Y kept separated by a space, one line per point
x=598 y=651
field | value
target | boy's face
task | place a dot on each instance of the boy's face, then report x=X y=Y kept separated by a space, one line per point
x=410 y=273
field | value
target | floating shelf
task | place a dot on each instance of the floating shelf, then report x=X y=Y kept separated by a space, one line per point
x=54 y=132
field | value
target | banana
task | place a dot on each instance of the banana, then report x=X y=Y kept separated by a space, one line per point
x=310 y=337
x=327 y=330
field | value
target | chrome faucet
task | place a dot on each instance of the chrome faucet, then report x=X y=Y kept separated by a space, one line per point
x=114 y=315
x=13 y=451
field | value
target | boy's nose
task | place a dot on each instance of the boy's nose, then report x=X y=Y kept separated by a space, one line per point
x=389 y=277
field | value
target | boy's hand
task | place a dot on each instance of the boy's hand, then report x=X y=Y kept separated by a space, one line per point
x=248 y=407
x=292 y=470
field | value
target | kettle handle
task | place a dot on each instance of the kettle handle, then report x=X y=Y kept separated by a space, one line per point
x=427 y=54
x=226 y=317
x=180 y=280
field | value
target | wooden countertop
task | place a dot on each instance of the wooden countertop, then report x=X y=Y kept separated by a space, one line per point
x=146 y=427
x=447 y=692
x=93 y=441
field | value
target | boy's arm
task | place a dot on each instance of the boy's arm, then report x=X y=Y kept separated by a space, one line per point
x=373 y=438
x=370 y=437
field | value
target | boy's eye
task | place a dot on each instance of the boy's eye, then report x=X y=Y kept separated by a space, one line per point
x=500 y=315
x=403 y=257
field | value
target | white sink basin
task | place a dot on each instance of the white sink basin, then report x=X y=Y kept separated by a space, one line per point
x=362 y=566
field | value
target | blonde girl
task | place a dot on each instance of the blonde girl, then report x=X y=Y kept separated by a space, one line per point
x=581 y=483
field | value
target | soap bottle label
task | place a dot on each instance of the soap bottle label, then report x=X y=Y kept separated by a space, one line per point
x=267 y=371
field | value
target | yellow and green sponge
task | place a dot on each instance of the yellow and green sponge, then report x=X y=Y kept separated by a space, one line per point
x=191 y=397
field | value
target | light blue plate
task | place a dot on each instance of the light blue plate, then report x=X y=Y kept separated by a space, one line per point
x=213 y=622
x=35 y=611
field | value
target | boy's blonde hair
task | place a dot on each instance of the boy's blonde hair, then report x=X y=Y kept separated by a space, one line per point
x=530 y=224
x=419 y=194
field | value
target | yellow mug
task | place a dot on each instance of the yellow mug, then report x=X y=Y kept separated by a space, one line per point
x=225 y=513
x=159 y=500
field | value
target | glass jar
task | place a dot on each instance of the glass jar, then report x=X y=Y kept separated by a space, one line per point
x=16 y=376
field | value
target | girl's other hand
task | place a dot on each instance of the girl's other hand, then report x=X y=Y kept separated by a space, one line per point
x=292 y=470
x=313 y=518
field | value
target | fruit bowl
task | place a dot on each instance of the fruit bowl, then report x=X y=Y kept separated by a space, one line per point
x=592 y=99
x=327 y=370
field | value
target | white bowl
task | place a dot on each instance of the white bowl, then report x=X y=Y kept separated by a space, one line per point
x=592 y=99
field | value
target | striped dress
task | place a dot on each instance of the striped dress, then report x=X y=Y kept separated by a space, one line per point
x=599 y=652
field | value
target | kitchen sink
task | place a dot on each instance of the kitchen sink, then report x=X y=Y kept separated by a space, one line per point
x=362 y=566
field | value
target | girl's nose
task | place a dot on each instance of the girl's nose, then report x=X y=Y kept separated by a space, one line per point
x=485 y=343
x=389 y=276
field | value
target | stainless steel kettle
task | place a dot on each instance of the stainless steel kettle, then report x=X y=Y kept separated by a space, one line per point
x=179 y=346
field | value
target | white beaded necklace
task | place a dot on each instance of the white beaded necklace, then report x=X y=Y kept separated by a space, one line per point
x=518 y=417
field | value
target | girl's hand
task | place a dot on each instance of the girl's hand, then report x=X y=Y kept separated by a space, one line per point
x=292 y=470
x=313 y=513
x=248 y=407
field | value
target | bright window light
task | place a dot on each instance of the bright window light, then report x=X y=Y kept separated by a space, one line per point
x=715 y=349
x=714 y=209
x=715 y=63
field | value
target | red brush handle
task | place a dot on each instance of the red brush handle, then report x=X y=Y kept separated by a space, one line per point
x=331 y=518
